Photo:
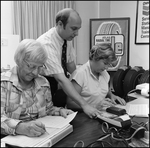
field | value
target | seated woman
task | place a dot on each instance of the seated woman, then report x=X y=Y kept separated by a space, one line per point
x=25 y=95
x=91 y=79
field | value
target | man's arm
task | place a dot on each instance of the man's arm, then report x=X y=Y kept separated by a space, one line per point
x=70 y=103
x=69 y=89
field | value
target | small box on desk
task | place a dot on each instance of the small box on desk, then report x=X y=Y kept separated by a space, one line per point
x=116 y=110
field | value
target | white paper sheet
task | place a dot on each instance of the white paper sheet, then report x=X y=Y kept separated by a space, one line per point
x=57 y=121
x=140 y=110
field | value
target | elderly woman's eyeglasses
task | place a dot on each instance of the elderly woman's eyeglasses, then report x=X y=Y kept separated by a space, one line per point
x=33 y=67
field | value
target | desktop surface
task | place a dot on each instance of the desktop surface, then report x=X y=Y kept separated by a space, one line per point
x=85 y=129
x=89 y=130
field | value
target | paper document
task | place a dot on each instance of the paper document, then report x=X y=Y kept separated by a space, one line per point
x=140 y=110
x=54 y=125
x=57 y=121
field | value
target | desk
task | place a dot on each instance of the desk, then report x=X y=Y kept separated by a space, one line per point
x=85 y=129
x=88 y=130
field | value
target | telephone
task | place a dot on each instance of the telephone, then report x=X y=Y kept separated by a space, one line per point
x=143 y=88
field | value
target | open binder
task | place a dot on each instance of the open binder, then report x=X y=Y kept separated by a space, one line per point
x=52 y=136
x=55 y=133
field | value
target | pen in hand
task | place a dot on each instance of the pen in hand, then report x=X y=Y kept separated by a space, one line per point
x=46 y=130
x=42 y=126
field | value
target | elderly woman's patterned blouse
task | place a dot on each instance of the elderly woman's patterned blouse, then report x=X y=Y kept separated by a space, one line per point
x=19 y=105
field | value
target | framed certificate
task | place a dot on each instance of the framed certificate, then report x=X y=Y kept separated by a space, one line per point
x=142 y=23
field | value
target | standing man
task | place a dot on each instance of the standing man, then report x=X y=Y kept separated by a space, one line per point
x=68 y=22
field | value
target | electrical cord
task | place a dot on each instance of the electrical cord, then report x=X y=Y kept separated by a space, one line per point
x=121 y=139
x=129 y=138
x=79 y=143
x=140 y=128
x=101 y=143
x=142 y=124
x=114 y=133
x=131 y=91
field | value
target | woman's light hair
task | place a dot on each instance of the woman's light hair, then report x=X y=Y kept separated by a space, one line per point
x=31 y=50
x=102 y=51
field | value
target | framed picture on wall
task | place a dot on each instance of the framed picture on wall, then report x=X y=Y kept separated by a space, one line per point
x=114 y=31
x=142 y=23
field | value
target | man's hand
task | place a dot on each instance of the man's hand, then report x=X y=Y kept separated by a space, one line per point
x=90 y=111
x=31 y=128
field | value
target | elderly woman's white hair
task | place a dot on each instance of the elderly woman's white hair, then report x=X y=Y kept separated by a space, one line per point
x=31 y=50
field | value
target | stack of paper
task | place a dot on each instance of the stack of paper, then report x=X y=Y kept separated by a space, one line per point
x=140 y=110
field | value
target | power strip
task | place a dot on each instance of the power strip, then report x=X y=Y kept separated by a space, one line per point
x=143 y=89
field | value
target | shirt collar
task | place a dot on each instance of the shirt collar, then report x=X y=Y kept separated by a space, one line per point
x=89 y=67
x=61 y=41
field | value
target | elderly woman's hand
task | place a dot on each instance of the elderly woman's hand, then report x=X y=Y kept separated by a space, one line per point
x=31 y=128
x=64 y=112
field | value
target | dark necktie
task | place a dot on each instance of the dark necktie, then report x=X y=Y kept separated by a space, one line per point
x=63 y=57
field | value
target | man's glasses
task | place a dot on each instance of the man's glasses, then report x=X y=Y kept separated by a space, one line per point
x=33 y=67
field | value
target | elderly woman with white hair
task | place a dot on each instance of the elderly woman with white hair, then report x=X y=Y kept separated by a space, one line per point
x=91 y=80
x=26 y=95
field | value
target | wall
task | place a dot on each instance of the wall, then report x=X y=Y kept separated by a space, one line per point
x=82 y=40
x=88 y=10
x=139 y=54
x=104 y=9
x=7 y=51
